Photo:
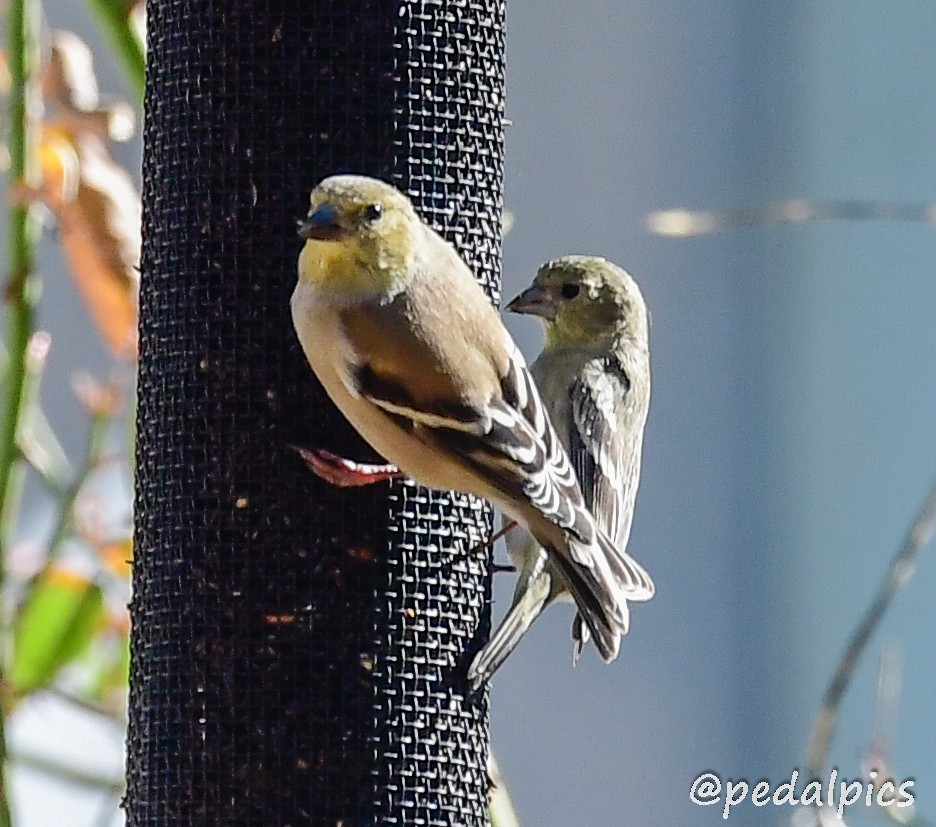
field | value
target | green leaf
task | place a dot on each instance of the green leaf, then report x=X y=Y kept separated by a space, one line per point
x=54 y=626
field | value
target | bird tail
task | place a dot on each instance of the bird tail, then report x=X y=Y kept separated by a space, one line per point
x=534 y=593
x=602 y=580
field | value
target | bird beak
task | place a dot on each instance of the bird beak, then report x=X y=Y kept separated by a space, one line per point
x=534 y=301
x=323 y=223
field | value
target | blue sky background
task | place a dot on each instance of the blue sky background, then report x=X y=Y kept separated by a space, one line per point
x=791 y=435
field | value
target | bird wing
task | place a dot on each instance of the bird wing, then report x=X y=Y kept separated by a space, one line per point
x=509 y=442
x=602 y=451
x=605 y=438
x=521 y=454
x=523 y=451
x=508 y=439
x=597 y=447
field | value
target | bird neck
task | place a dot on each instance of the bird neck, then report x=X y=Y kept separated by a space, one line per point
x=560 y=334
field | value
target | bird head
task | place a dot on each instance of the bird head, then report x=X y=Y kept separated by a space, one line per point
x=584 y=300
x=360 y=235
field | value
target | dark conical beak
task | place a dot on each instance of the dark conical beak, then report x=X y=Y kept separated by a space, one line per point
x=323 y=223
x=534 y=301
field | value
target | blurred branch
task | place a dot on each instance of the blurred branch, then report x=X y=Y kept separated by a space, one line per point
x=20 y=289
x=878 y=755
x=499 y=804
x=21 y=294
x=885 y=704
x=115 y=18
x=507 y=223
x=111 y=715
x=41 y=449
x=901 y=569
x=35 y=438
x=97 y=431
x=688 y=223
x=68 y=774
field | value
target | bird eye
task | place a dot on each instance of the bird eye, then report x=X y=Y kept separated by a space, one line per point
x=570 y=290
x=372 y=212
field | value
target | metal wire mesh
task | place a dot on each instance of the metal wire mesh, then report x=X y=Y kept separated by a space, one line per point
x=297 y=649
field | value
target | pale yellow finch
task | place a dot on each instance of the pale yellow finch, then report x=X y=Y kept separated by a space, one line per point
x=594 y=377
x=408 y=347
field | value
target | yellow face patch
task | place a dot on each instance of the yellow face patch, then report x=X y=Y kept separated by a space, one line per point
x=335 y=265
x=319 y=259
x=346 y=266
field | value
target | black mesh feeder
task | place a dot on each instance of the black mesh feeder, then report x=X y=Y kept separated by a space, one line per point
x=297 y=648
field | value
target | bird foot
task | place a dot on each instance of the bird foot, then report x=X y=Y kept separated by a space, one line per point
x=489 y=543
x=343 y=472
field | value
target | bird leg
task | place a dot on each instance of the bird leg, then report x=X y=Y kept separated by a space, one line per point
x=345 y=473
x=497 y=567
x=505 y=529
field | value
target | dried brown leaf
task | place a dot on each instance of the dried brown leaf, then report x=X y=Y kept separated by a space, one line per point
x=98 y=211
x=70 y=92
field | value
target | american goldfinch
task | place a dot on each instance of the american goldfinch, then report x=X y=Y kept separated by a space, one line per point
x=411 y=351
x=594 y=377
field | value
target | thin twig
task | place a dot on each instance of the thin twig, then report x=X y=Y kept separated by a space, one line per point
x=42 y=452
x=884 y=722
x=499 y=804
x=115 y=19
x=884 y=725
x=900 y=571
x=36 y=440
x=21 y=294
x=114 y=716
x=688 y=223
x=20 y=289
x=97 y=431
x=66 y=773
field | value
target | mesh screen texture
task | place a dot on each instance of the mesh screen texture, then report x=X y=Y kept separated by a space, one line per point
x=297 y=650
